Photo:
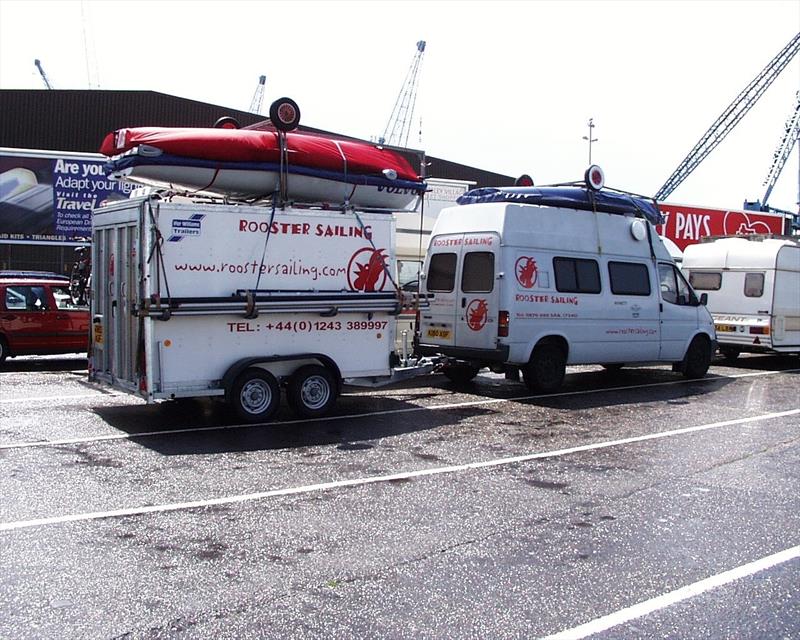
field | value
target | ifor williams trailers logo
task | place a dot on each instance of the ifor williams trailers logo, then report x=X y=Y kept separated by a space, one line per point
x=366 y=270
x=189 y=227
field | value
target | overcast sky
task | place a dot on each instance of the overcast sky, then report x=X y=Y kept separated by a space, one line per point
x=504 y=86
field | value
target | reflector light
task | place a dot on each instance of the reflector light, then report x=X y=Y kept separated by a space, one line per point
x=502 y=324
x=761 y=331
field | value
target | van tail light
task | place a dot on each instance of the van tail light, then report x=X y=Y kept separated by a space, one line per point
x=760 y=331
x=502 y=324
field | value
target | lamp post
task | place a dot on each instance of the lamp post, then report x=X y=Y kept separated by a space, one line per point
x=590 y=139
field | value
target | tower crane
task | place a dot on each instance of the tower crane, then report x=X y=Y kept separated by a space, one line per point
x=399 y=125
x=258 y=96
x=790 y=136
x=730 y=117
x=38 y=64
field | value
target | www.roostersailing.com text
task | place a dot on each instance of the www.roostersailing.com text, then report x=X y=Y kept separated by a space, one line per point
x=293 y=268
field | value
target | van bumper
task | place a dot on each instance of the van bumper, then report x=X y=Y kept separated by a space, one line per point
x=465 y=353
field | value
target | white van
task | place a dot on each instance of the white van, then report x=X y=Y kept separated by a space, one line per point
x=753 y=287
x=532 y=279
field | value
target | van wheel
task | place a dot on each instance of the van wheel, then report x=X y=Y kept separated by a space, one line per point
x=460 y=373
x=545 y=372
x=312 y=391
x=255 y=395
x=697 y=359
x=3 y=350
x=729 y=353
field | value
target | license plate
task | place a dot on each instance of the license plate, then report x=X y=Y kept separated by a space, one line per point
x=98 y=334
x=726 y=327
x=441 y=334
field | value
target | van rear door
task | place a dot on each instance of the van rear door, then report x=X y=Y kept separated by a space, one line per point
x=461 y=277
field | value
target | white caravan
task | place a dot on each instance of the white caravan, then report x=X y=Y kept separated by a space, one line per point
x=533 y=279
x=753 y=287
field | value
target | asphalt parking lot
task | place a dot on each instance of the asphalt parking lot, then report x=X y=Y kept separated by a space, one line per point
x=629 y=505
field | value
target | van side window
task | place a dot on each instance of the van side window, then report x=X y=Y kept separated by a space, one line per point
x=705 y=280
x=442 y=272
x=674 y=288
x=629 y=278
x=753 y=285
x=576 y=275
x=477 y=275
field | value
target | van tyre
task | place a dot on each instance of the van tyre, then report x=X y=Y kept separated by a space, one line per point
x=3 y=349
x=311 y=391
x=460 y=373
x=545 y=372
x=255 y=395
x=697 y=359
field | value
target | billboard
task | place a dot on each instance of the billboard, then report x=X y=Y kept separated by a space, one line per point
x=47 y=197
x=686 y=225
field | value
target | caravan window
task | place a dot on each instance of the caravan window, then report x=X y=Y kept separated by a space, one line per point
x=477 y=275
x=754 y=285
x=629 y=278
x=705 y=280
x=576 y=275
x=442 y=272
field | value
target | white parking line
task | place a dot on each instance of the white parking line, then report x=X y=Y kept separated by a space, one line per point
x=372 y=414
x=356 y=482
x=668 y=599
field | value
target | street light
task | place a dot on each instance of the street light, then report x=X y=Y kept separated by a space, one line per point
x=590 y=139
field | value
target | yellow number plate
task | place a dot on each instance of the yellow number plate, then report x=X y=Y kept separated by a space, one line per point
x=726 y=328
x=98 y=333
x=441 y=334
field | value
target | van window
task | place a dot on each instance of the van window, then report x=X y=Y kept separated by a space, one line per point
x=753 y=285
x=629 y=278
x=442 y=272
x=477 y=276
x=576 y=275
x=674 y=288
x=705 y=280
x=25 y=298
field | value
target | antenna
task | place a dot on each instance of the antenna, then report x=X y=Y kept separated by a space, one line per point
x=38 y=64
x=258 y=96
x=399 y=125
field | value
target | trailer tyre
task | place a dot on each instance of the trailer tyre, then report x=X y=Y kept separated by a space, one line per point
x=255 y=395
x=460 y=373
x=311 y=391
x=545 y=372
x=697 y=359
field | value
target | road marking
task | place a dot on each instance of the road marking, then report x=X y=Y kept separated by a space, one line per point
x=406 y=475
x=51 y=399
x=673 y=597
x=354 y=416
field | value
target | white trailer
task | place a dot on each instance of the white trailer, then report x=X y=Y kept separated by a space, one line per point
x=207 y=299
x=753 y=287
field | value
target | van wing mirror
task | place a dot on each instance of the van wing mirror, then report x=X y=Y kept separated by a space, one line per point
x=704 y=299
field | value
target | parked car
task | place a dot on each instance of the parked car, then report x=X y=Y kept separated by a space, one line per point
x=39 y=317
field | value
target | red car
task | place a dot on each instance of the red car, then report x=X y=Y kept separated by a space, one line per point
x=38 y=316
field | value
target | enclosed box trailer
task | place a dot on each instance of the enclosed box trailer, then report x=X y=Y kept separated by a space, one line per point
x=207 y=299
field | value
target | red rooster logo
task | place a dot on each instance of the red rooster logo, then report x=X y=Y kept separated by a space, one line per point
x=366 y=270
x=526 y=271
x=477 y=314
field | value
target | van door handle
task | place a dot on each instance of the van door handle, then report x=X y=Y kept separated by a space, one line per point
x=463 y=302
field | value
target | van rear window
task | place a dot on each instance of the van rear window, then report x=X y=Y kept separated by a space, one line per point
x=576 y=275
x=629 y=278
x=705 y=280
x=442 y=272
x=477 y=275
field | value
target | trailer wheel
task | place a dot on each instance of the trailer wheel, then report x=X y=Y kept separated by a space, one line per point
x=697 y=359
x=460 y=373
x=545 y=372
x=311 y=391
x=255 y=395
